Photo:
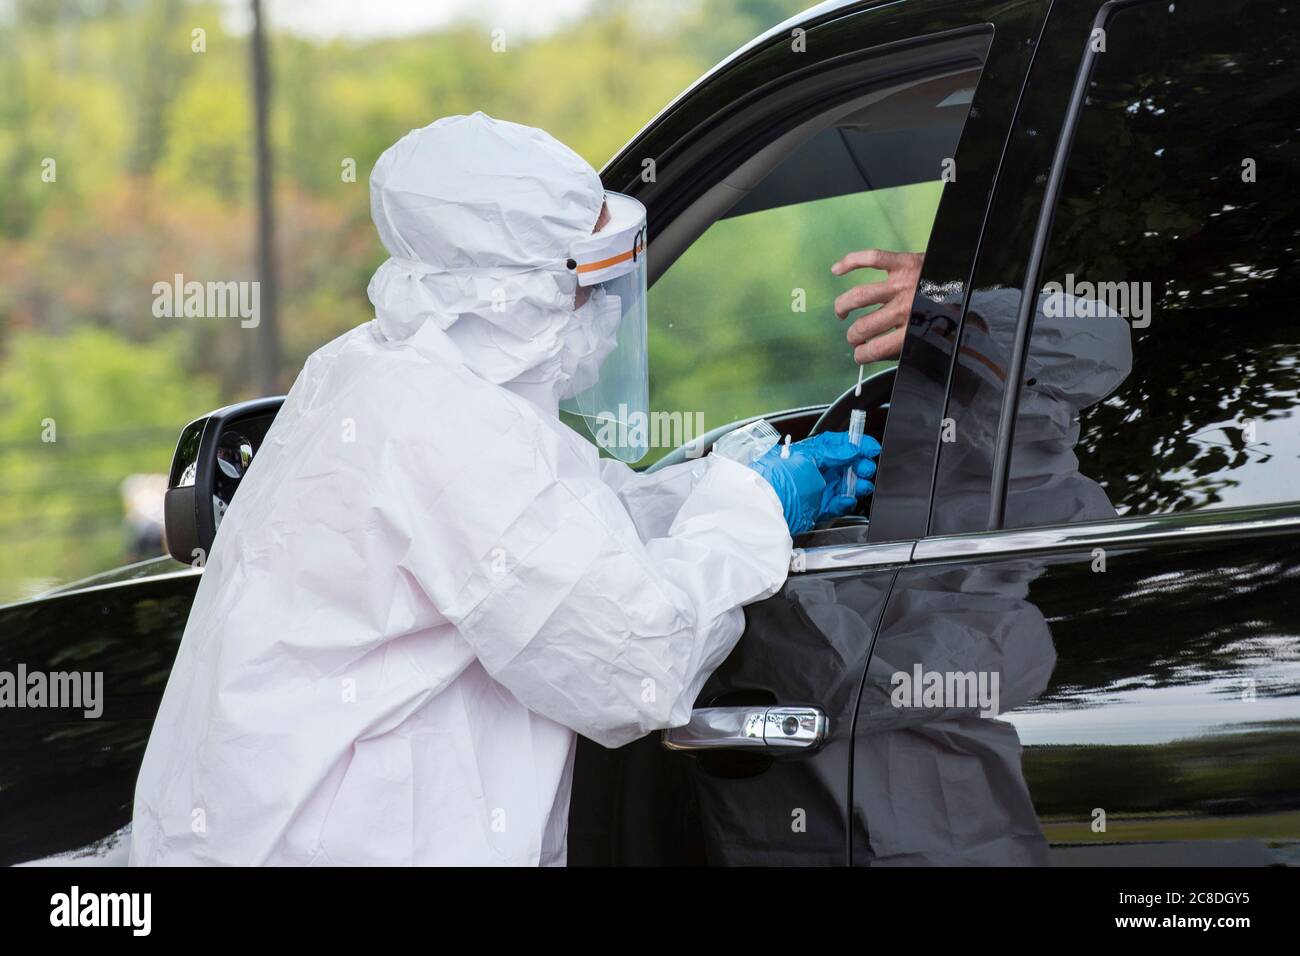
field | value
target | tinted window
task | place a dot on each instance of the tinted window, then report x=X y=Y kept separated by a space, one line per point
x=1180 y=211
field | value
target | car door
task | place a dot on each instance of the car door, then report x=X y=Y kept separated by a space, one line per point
x=862 y=125
x=1110 y=558
x=67 y=774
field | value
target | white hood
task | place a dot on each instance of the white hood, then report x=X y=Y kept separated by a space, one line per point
x=478 y=215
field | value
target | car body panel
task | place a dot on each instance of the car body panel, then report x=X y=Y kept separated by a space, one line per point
x=809 y=644
x=67 y=781
x=1154 y=695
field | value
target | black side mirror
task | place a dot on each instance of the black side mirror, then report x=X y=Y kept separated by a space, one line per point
x=211 y=458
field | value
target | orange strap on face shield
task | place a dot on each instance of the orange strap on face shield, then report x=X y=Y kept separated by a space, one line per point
x=615 y=249
x=585 y=267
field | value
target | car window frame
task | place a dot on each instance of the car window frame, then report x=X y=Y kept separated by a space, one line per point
x=694 y=148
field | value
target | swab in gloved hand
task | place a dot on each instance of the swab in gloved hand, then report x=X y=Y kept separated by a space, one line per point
x=857 y=426
x=806 y=476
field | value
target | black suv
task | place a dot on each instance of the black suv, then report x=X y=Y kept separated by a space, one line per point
x=1067 y=627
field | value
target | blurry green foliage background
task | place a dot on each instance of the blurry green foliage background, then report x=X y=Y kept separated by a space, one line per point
x=153 y=146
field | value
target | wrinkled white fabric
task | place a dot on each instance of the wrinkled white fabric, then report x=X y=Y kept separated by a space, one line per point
x=478 y=215
x=589 y=341
x=427 y=584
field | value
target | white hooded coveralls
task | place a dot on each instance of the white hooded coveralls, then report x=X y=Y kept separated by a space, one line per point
x=427 y=584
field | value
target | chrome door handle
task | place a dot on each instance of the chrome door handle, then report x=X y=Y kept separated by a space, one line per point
x=774 y=729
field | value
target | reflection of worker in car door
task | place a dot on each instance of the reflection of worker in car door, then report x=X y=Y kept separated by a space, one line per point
x=942 y=785
x=878 y=335
x=1071 y=365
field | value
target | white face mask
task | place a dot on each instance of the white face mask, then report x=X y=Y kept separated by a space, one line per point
x=588 y=340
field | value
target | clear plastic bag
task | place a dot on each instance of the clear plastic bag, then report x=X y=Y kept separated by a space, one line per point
x=747 y=443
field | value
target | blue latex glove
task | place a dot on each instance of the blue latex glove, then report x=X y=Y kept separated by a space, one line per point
x=808 y=482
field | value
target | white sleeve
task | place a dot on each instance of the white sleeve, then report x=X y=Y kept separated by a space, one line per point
x=580 y=618
x=653 y=500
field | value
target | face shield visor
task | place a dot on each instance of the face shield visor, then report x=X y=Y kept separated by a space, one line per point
x=611 y=297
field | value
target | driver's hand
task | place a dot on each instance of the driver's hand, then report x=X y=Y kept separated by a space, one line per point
x=878 y=335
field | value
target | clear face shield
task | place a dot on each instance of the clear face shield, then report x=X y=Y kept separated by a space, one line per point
x=611 y=269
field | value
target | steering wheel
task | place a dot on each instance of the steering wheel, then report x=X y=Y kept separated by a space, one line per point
x=874 y=397
x=875 y=393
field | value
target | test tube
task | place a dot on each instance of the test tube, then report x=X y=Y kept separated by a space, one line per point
x=857 y=426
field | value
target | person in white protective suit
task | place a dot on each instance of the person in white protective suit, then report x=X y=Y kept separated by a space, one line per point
x=427 y=583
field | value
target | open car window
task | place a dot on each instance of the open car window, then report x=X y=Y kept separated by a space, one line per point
x=742 y=322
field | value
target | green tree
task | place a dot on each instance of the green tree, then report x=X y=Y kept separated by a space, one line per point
x=78 y=413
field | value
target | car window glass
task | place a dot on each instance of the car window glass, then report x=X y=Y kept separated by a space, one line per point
x=742 y=324
x=1165 y=355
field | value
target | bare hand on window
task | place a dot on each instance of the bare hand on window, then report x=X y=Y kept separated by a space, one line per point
x=879 y=335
